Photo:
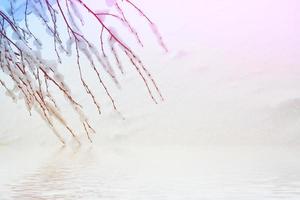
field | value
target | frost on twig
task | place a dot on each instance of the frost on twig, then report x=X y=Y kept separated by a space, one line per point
x=31 y=74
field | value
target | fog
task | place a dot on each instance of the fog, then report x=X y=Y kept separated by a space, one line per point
x=230 y=118
x=230 y=76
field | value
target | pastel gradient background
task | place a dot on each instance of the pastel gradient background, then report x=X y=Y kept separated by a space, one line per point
x=231 y=75
x=228 y=129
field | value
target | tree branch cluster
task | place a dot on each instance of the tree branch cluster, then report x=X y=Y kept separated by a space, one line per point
x=31 y=74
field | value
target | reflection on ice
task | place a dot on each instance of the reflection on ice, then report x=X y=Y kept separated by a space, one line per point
x=162 y=173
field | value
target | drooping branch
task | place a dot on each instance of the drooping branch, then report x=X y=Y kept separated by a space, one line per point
x=31 y=74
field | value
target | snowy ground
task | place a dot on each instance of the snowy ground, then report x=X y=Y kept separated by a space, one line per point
x=229 y=128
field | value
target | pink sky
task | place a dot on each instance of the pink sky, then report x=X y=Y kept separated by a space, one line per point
x=233 y=65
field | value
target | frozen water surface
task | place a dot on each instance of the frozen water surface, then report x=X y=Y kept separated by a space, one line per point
x=231 y=77
x=169 y=172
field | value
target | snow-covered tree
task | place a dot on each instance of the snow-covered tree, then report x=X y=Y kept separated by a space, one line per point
x=31 y=74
